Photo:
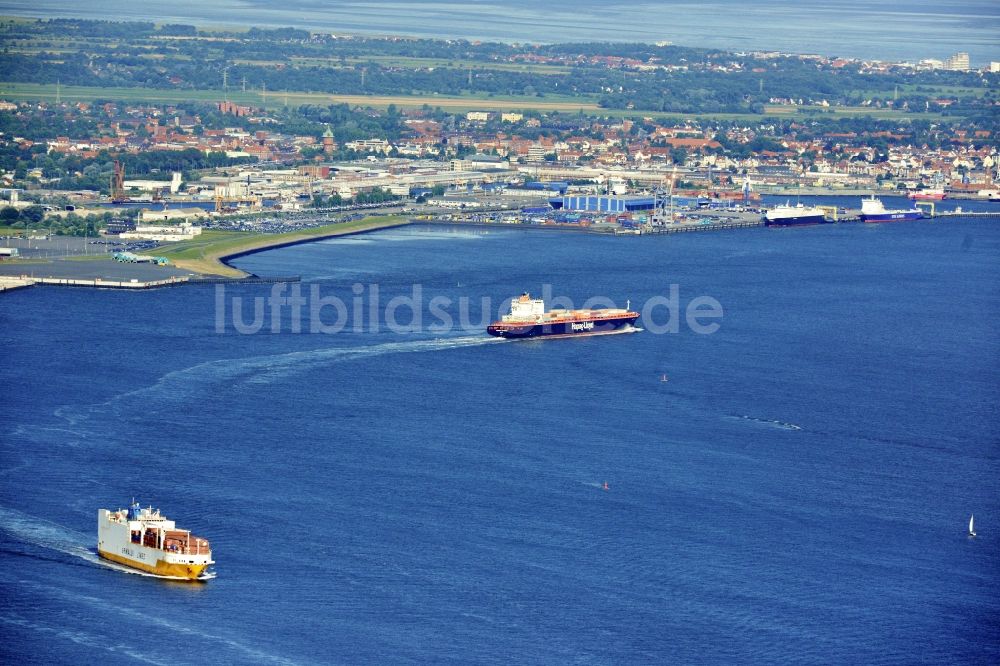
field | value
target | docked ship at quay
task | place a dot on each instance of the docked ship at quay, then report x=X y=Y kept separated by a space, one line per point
x=787 y=215
x=936 y=194
x=528 y=318
x=873 y=210
x=146 y=540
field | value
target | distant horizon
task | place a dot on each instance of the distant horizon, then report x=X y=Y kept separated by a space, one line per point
x=850 y=28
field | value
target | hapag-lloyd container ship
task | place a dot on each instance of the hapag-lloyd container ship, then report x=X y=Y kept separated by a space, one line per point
x=145 y=539
x=528 y=318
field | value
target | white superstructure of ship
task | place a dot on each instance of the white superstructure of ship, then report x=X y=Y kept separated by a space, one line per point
x=147 y=540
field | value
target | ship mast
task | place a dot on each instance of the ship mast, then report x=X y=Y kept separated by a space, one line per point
x=673 y=178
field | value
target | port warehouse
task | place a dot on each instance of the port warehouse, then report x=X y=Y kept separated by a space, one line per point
x=603 y=204
x=635 y=204
x=626 y=211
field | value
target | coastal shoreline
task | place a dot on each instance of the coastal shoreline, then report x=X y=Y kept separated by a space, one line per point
x=208 y=258
x=212 y=257
x=225 y=259
x=200 y=260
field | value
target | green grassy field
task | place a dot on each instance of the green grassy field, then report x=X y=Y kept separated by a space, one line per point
x=414 y=63
x=37 y=91
x=48 y=92
x=42 y=49
x=205 y=254
x=918 y=89
x=769 y=112
x=844 y=111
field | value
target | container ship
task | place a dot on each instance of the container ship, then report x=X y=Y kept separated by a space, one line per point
x=528 y=319
x=145 y=539
x=787 y=215
x=928 y=195
x=873 y=210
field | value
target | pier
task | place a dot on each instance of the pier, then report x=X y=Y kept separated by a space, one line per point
x=952 y=213
x=855 y=215
x=252 y=279
x=99 y=283
x=8 y=283
x=744 y=221
x=722 y=225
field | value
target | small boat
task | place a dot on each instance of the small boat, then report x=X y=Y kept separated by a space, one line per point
x=664 y=378
x=972 y=530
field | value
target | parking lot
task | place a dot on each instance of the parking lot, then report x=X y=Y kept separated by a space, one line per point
x=80 y=258
x=41 y=246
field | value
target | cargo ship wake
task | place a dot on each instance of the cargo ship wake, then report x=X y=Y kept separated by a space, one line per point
x=45 y=534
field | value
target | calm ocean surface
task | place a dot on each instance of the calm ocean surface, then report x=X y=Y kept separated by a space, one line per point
x=882 y=29
x=797 y=492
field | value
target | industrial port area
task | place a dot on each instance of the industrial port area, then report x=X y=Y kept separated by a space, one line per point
x=128 y=190
x=133 y=258
x=147 y=239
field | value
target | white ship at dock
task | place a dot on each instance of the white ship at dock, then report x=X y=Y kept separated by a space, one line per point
x=787 y=215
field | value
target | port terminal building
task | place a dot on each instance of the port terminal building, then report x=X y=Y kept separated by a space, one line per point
x=183 y=231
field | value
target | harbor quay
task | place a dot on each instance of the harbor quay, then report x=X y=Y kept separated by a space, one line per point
x=110 y=261
x=99 y=272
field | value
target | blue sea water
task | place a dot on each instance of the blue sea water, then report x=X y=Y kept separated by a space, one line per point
x=879 y=29
x=796 y=492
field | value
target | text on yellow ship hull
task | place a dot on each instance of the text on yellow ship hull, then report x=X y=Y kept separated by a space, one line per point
x=161 y=568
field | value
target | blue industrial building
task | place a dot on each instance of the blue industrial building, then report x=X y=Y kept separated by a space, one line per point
x=604 y=204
